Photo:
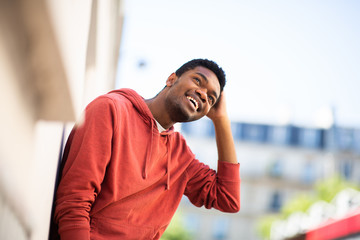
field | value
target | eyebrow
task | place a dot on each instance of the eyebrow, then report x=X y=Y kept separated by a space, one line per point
x=207 y=81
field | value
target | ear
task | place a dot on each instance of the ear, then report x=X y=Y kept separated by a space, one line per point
x=171 y=80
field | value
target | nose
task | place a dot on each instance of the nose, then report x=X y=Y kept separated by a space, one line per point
x=202 y=93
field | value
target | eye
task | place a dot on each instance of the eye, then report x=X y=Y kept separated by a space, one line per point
x=211 y=100
x=197 y=80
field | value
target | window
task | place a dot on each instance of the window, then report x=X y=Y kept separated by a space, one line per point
x=308 y=173
x=345 y=138
x=254 y=132
x=279 y=134
x=275 y=202
x=276 y=169
x=311 y=138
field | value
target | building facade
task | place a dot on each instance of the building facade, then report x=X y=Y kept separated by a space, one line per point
x=276 y=163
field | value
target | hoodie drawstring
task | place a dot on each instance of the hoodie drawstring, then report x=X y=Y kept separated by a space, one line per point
x=168 y=163
x=149 y=152
x=148 y=157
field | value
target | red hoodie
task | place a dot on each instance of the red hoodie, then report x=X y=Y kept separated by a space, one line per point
x=123 y=179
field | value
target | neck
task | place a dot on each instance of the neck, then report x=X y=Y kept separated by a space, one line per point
x=158 y=110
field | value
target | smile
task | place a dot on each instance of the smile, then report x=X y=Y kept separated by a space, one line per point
x=194 y=102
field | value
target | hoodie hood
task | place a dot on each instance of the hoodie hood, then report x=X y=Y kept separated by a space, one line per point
x=145 y=113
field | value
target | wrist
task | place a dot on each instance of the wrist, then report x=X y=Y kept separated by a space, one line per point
x=220 y=120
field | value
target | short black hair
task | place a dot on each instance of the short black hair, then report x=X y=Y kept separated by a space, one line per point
x=211 y=65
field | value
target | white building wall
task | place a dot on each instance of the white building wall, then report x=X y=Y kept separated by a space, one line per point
x=47 y=49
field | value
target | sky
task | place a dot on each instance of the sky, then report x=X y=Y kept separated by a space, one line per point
x=286 y=62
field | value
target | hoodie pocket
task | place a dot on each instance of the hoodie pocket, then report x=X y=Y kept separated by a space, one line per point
x=109 y=229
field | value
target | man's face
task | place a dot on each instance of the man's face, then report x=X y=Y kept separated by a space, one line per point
x=191 y=95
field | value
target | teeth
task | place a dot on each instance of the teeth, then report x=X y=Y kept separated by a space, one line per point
x=194 y=102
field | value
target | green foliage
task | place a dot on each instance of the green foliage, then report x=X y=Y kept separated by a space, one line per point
x=176 y=230
x=328 y=188
x=264 y=225
x=299 y=203
x=324 y=190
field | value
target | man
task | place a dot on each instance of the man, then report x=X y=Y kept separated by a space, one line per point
x=126 y=169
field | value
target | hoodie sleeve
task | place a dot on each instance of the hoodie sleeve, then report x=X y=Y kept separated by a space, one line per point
x=87 y=154
x=219 y=190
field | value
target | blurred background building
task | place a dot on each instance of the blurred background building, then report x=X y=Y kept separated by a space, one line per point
x=277 y=164
x=293 y=80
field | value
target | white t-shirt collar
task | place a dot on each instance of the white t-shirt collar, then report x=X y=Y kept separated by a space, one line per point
x=159 y=127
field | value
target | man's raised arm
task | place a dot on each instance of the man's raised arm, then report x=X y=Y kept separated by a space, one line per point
x=224 y=139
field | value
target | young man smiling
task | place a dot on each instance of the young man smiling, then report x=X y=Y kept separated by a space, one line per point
x=126 y=168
